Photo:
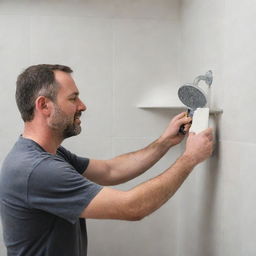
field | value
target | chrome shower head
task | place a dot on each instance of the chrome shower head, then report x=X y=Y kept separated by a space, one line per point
x=192 y=96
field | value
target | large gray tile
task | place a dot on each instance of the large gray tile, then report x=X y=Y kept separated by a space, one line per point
x=70 y=8
x=156 y=9
x=197 y=211
x=228 y=196
x=14 y=7
x=142 y=63
x=14 y=51
x=14 y=56
x=91 y=147
x=201 y=35
x=239 y=63
x=248 y=193
x=210 y=215
x=150 y=236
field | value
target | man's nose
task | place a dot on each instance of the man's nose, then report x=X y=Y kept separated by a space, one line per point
x=82 y=106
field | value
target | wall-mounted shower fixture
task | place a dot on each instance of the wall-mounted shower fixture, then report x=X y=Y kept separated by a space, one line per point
x=192 y=95
x=207 y=78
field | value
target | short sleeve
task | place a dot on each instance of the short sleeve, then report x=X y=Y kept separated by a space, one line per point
x=78 y=162
x=56 y=187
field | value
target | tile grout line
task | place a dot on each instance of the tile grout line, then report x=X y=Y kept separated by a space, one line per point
x=237 y=142
x=113 y=85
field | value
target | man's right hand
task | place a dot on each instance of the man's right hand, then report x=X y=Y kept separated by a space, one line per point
x=199 y=146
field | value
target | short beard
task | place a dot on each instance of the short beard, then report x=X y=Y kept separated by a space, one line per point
x=64 y=125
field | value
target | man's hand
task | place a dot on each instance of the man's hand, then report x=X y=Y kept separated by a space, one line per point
x=171 y=134
x=199 y=146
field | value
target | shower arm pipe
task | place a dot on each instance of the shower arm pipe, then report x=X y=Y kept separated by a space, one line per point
x=207 y=78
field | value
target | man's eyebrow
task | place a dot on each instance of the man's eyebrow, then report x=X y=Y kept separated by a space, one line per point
x=73 y=94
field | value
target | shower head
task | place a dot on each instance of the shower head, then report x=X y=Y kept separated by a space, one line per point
x=192 y=96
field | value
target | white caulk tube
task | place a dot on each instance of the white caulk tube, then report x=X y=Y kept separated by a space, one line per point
x=200 y=120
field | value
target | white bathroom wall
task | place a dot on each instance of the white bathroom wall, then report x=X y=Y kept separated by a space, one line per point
x=220 y=211
x=121 y=51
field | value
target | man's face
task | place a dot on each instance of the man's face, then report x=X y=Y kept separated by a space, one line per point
x=68 y=107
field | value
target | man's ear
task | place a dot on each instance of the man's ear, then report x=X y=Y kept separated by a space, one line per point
x=43 y=105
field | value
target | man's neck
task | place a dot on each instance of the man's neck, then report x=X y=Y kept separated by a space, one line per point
x=44 y=137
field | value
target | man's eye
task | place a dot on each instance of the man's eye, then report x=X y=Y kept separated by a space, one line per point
x=73 y=99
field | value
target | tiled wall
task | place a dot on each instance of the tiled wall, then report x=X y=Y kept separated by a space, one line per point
x=220 y=35
x=121 y=52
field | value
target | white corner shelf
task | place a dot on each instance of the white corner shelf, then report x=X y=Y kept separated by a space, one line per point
x=174 y=107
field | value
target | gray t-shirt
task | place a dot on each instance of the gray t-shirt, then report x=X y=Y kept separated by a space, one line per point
x=41 y=198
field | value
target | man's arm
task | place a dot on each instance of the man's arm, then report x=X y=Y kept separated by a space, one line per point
x=128 y=166
x=149 y=196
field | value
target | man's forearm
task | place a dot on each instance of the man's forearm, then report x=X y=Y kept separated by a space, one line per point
x=149 y=196
x=128 y=166
x=142 y=200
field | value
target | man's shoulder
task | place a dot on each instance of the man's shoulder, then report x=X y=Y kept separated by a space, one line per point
x=25 y=157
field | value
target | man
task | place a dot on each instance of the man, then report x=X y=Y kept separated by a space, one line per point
x=47 y=192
